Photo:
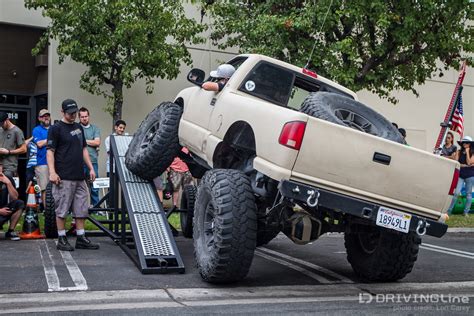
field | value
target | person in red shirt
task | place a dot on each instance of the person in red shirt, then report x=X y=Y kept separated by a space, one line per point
x=179 y=175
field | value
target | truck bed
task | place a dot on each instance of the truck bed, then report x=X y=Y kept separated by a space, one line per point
x=350 y=162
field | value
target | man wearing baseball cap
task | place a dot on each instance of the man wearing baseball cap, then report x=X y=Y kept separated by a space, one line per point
x=12 y=144
x=222 y=74
x=40 y=138
x=66 y=155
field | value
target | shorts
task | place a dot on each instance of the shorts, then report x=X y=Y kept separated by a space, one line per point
x=42 y=176
x=180 y=179
x=14 y=206
x=73 y=193
x=158 y=181
x=30 y=174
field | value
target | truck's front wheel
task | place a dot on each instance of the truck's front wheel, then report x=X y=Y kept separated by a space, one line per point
x=225 y=226
x=155 y=144
x=379 y=255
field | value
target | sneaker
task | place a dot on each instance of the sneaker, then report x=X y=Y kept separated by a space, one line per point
x=82 y=242
x=63 y=244
x=466 y=214
x=12 y=235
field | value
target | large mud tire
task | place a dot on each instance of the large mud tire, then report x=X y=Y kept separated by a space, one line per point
x=155 y=144
x=225 y=226
x=379 y=255
x=348 y=112
x=50 y=228
x=188 y=199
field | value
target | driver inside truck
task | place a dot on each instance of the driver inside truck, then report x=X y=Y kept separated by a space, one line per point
x=221 y=75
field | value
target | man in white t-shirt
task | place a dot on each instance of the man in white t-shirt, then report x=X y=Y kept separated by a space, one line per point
x=119 y=128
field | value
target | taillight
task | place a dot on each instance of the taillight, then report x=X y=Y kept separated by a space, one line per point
x=454 y=183
x=292 y=134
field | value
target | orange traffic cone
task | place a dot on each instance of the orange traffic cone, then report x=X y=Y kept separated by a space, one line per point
x=31 y=229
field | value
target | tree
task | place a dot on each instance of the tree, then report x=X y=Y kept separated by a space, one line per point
x=120 y=41
x=377 y=45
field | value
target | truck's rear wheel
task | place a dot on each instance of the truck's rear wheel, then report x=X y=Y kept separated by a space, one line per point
x=225 y=226
x=345 y=111
x=155 y=144
x=186 y=215
x=379 y=255
x=50 y=228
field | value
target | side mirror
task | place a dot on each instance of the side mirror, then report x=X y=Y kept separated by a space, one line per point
x=196 y=76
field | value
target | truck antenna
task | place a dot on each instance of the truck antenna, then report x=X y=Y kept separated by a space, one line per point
x=320 y=29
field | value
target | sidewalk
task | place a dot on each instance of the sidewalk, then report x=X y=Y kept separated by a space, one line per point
x=461 y=230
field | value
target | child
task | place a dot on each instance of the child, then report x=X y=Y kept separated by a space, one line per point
x=30 y=166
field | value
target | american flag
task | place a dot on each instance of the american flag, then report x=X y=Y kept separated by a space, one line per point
x=457 y=122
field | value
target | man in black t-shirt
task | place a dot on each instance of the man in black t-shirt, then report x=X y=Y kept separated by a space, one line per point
x=67 y=153
x=10 y=207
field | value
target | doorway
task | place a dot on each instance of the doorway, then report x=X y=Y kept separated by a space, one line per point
x=21 y=117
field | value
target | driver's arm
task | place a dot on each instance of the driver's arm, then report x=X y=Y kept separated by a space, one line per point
x=210 y=86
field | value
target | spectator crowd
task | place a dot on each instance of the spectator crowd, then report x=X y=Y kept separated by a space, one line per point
x=66 y=155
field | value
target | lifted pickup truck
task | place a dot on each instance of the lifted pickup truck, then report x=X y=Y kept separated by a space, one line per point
x=281 y=149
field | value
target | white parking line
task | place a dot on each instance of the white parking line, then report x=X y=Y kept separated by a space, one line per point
x=308 y=264
x=74 y=271
x=52 y=276
x=446 y=252
x=49 y=271
x=449 y=249
x=294 y=267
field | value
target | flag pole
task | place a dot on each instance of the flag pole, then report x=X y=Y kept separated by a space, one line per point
x=451 y=108
x=445 y=127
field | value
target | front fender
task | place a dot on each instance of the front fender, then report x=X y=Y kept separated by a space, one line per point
x=185 y=95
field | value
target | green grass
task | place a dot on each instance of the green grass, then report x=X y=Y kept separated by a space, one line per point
x=89 y=226
x=454 y=221
x=461 y=221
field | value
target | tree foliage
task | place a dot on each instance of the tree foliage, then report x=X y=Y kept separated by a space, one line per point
x=377 y=45
x=120 y=41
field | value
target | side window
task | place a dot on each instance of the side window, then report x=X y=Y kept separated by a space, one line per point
x=300 y=91
x=236 y=62
x=302 y=88
x=269 y=82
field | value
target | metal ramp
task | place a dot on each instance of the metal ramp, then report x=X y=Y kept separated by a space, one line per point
x=135 y=202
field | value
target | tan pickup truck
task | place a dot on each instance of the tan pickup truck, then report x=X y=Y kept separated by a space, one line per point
x=282 y=149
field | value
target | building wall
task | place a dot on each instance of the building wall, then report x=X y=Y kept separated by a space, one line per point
x=419 y=116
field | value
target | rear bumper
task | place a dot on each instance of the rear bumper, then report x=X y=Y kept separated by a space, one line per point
x=356 y=207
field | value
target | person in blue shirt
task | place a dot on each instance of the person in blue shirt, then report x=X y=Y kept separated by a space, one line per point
x=40 y=138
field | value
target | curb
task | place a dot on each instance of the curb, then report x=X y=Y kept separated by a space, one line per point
x=461 y=230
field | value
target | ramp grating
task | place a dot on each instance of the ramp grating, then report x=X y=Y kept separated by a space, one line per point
x=122 y=144
x=142 y=198
x=152 y=234
x=154 y=241
x=130 y=177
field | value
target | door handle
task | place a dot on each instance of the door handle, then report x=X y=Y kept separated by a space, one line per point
x=382 y=158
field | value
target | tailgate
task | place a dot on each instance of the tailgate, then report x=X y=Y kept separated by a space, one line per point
x=342 y=159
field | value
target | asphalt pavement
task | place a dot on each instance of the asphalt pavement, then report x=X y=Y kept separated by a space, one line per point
x=284 y=278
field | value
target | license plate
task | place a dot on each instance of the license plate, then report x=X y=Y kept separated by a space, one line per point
x=396 y=220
